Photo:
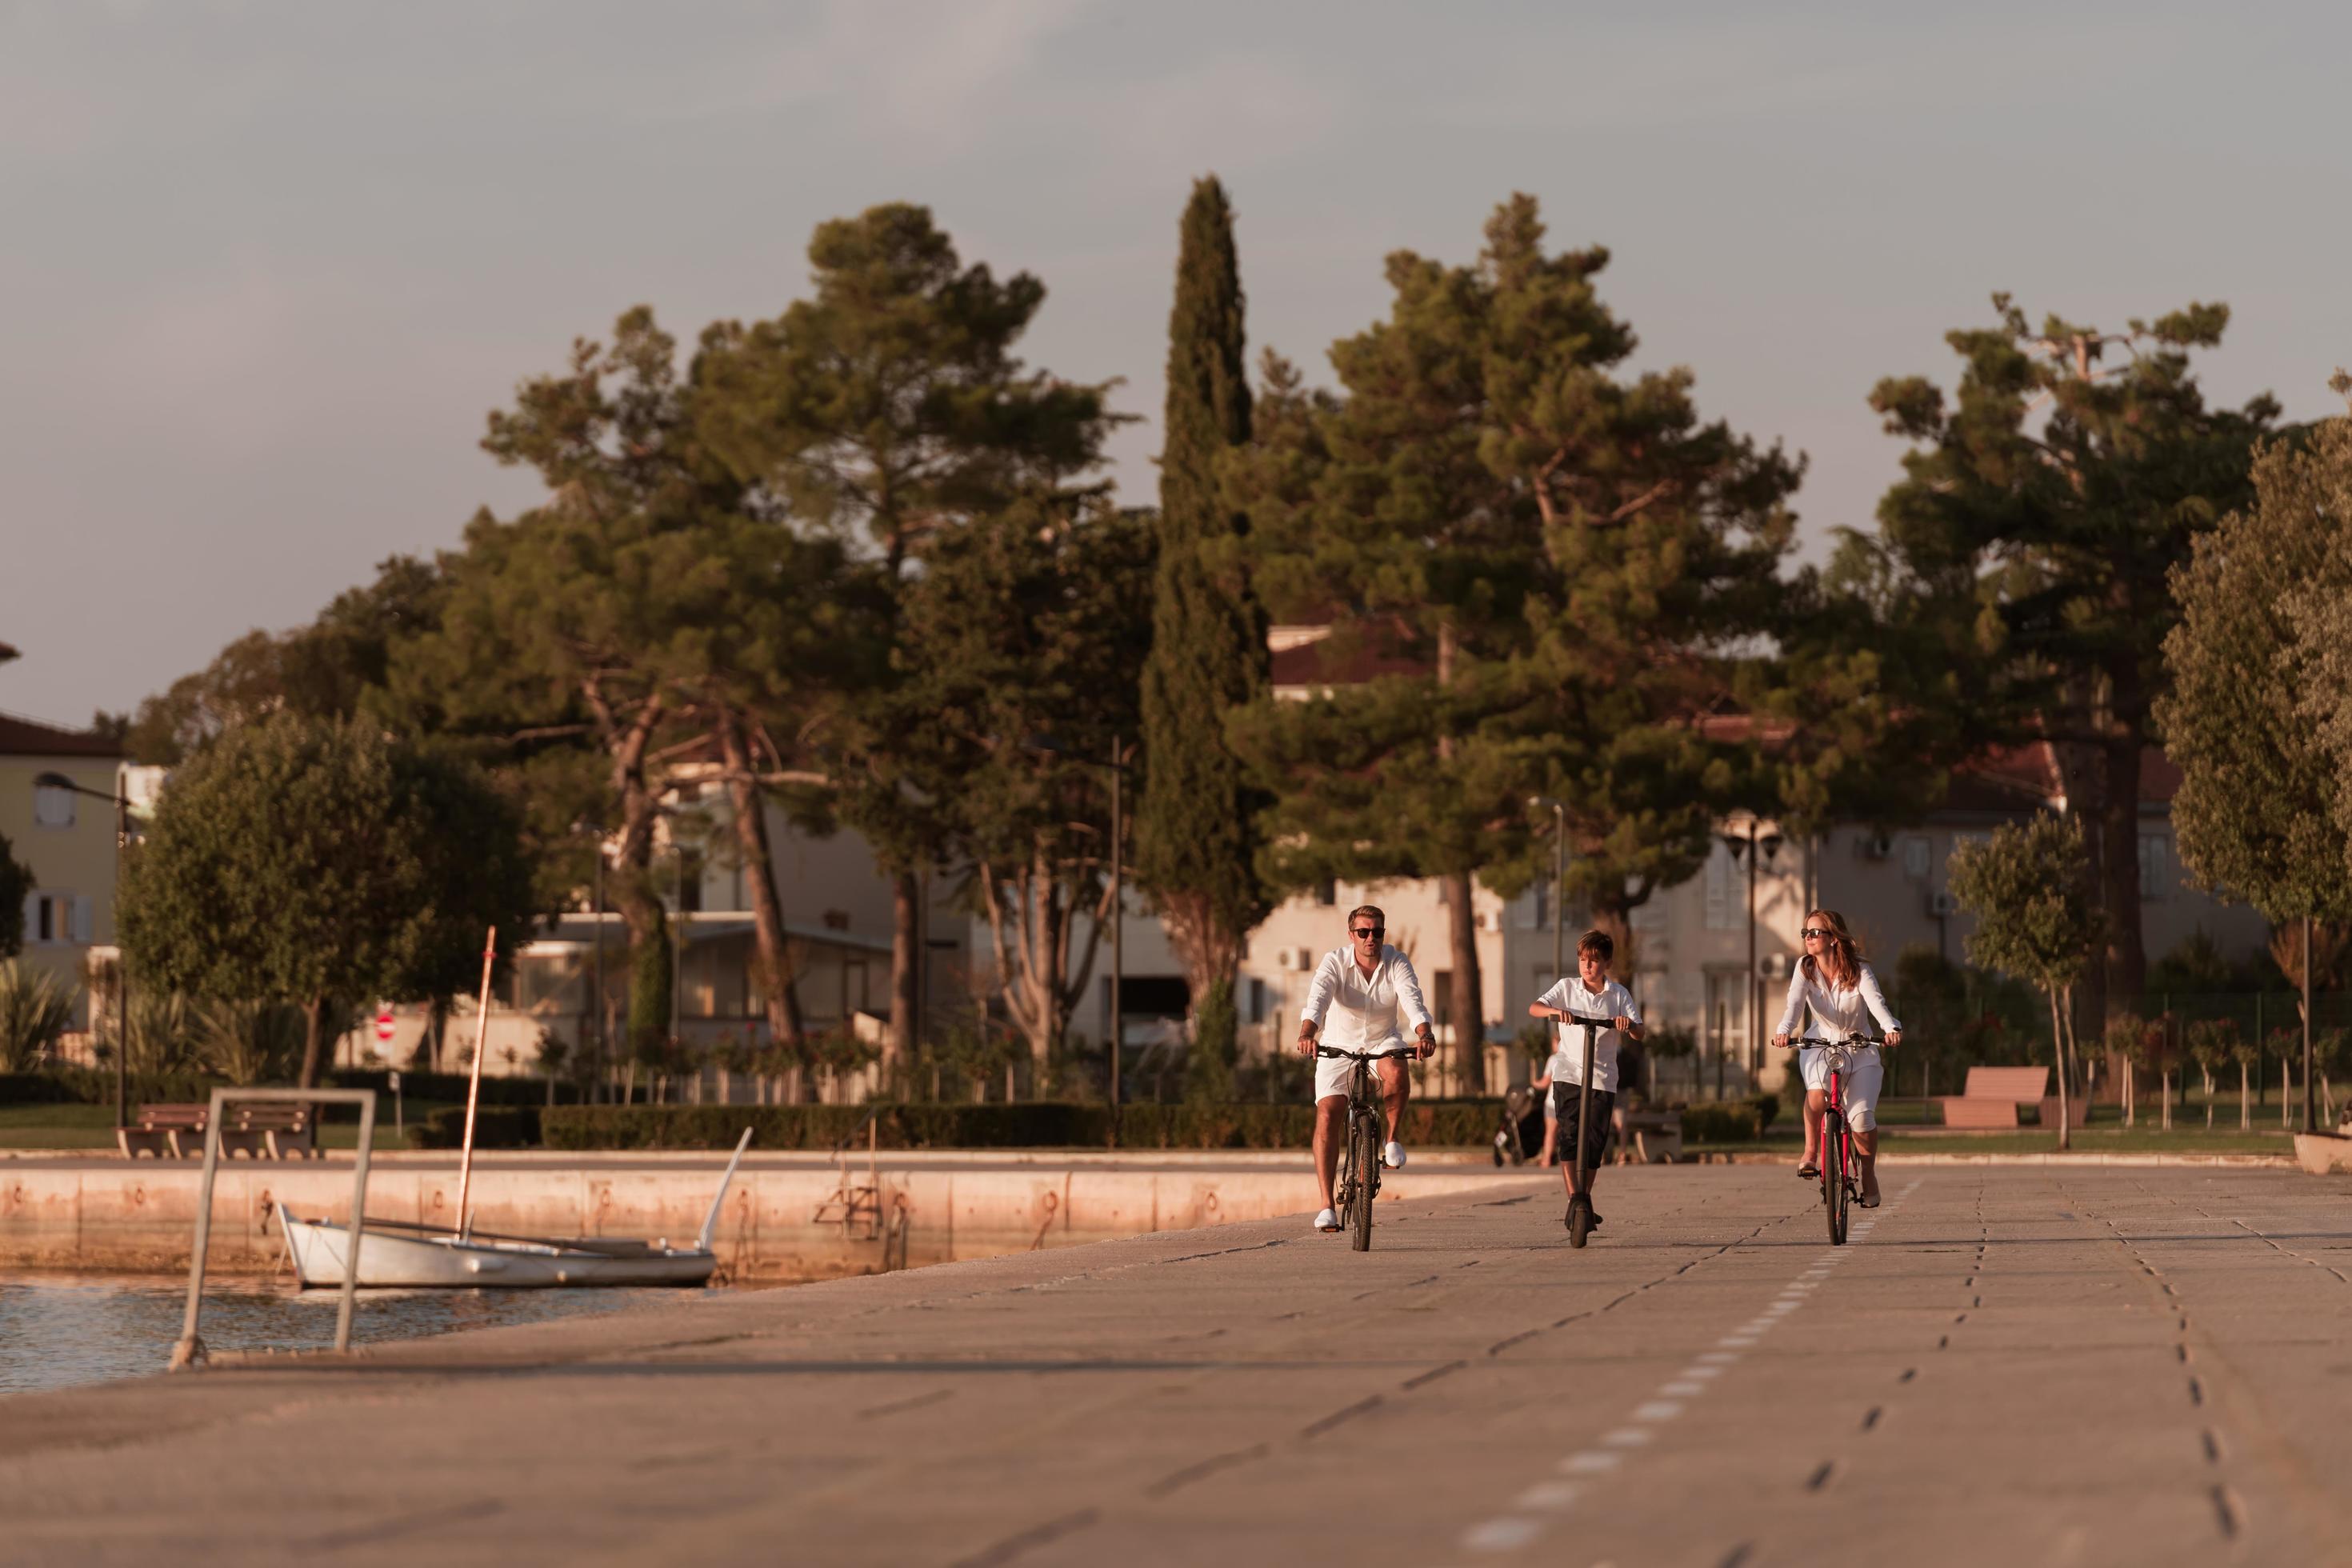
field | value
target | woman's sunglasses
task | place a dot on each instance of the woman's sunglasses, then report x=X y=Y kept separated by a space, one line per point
x=1818 y=930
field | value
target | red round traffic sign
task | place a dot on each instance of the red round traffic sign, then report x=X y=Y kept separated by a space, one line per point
x=384 y=1025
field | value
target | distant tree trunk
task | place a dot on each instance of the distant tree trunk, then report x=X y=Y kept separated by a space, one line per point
x=906 y=952
x=2082 y=778
x=773 y=974
x=2061 y=1003
x=1465 y=1001
x=1468 y=1004
x=2127 y=955
x=313 y=1021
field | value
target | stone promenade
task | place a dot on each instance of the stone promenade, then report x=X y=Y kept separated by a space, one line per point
x=2006 y=1367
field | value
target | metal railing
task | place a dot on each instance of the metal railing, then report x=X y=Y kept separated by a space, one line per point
x=189 y=1350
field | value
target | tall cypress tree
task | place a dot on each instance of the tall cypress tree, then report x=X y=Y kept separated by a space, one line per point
x=1196 y=846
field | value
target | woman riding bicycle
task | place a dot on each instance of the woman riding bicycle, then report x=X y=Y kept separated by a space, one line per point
x=1843 y=994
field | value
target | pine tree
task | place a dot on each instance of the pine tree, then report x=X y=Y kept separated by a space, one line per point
x=2046 y=505
x=1196 y=844
x=888 y=409
x=1543 y=562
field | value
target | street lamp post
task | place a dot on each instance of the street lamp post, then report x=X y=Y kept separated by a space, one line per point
x=1752 y=849
x=1118 y=919
x=596 y=964
x=677 y=943
x=121 y=801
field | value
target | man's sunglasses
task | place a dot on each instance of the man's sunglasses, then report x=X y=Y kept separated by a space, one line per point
x=1818 y=930
x=1361 y=932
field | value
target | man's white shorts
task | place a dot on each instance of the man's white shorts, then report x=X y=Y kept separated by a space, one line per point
x=1332 y=1073
x=1864 y=1075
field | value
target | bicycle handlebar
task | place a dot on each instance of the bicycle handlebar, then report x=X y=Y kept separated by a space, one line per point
x=1323 y=1050
x=1848 y=1043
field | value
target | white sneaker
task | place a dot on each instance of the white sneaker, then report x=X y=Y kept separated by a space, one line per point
x=1393 y=1155
x=1327 y=1219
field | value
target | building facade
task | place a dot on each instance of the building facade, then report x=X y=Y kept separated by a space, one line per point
x=56 y=786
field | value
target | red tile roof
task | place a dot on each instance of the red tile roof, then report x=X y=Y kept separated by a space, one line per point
x=31 y=738
x=1344 y=661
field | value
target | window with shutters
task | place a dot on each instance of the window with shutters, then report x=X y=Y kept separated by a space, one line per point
x=1723 y=910
x=53 y=918
x=53 y=801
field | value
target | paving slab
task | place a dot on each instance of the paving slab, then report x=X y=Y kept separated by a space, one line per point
x=2018 y=1366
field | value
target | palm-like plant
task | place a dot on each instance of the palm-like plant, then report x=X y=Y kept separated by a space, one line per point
x=251 y=1042
x=162 y=1030
x=36 y=1008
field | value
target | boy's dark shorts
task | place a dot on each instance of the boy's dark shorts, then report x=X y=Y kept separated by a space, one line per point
x=1563 y=1101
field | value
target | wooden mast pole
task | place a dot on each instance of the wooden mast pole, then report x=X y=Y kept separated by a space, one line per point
x=473 y=1085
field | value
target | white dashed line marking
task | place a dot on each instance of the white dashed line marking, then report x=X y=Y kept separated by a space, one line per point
x=1591 y=1462
x=1510 y=1532
x=1501 y=1534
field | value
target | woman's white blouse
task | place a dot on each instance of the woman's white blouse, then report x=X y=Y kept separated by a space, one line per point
x=1839 y=1009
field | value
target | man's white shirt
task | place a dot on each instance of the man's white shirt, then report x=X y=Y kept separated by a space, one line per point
x=1367 y=1012
x=1567 y=1063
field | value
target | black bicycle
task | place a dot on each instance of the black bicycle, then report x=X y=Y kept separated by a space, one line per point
x=1841 y=1176
x=1580 y=1198
x=1359 y=1173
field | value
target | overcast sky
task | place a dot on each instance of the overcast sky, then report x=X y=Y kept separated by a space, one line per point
x=266 y=267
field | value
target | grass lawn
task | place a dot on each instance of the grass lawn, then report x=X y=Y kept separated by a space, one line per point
x=92 y=1127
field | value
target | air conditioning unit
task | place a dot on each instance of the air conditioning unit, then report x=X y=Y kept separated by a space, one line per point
x=1877 y=845
x=1940 y=904
x=1293 y=958
x=1772 y=966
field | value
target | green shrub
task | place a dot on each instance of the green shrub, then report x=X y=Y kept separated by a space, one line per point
x=1723 y=1121
x=449 y=1088
x=95 y=1085
x=495 y=1127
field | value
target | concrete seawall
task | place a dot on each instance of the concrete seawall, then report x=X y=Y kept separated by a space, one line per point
x=784 y=1217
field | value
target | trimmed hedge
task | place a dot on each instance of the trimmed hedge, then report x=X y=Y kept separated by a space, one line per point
x=95 y=1085
x=449 y=1088
x=495 y=1127
x=1045 y=1124
x=1729 y=1120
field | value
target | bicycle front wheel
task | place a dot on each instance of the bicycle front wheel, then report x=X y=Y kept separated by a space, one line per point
x=1364 y=1155
x=1834 y=1182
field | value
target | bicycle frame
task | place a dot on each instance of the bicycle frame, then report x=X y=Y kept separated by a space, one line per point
x=1354 y=1193
x=1840 y=1186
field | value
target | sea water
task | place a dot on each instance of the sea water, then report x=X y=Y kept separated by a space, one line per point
x=60 y=1330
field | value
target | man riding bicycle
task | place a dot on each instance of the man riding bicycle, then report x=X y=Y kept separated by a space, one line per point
x=1372 y=987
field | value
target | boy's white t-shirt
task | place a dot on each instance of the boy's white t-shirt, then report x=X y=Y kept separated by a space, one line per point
x=1567 y=1063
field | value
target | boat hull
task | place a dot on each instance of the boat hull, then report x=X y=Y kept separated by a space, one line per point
x=320 y=1248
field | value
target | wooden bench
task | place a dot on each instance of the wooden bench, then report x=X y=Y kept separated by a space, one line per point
x=158 y=1129
x=1992 y=1096
x=273 y=1129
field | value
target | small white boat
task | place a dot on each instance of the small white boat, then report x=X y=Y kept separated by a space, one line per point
x=394 y=1253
